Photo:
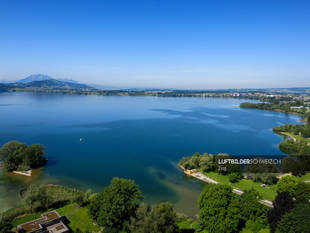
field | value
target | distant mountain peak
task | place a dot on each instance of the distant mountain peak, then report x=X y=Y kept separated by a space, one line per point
x=68 y=80
x=35 y=77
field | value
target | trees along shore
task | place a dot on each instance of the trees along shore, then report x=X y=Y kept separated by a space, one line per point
x=120 y=208
x=19 y=157
x=299 y=135
x=220 y=210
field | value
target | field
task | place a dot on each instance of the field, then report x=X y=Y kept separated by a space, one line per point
x=305 y=177
x=268 y=192
x=79 y=218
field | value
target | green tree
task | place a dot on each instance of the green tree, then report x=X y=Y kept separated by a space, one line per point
x=234 y=177
x=265 y=230
x=95 y=205
x=302 y=192
x=44 y=198
x=287 y=184
x=19 y=156
x=234 y=168
x=206 y=162
x=5 y=226
x=269 y=179
x=116 y=204
x=163 y=219
x=138 y=222
x=12 y=153
x=253 y=227
x=190 y=162
x=12 y=162
x=87 y=196
x=252 y=209
x=12 y=148
x=79 y=199
x=297 y=220
x=34 y=155
x=218 y=209
x=185 y=162
x=160 y=218
x=32 y=196
x=282 y=204
x=290 y=164
x=195 y=160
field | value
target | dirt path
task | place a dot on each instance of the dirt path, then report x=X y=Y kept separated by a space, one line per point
x=204 y=178
x=290 y=136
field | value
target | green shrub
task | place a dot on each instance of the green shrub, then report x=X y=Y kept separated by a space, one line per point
x=287 y=184
x=269 y=179
x=234 y=177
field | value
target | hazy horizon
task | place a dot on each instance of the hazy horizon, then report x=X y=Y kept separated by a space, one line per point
x=142 y=87
x=158 y=44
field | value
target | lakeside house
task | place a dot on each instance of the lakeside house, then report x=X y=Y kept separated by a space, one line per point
x=50 y=222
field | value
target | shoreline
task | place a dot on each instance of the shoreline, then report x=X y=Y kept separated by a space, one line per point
x=29 y=173
x=288 y=135
x=200 y=176
x=23 y=173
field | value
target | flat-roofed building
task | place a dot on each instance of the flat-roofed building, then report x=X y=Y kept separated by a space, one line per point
x=50 y=222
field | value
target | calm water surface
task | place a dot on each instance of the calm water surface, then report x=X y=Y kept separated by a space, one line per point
x=140 y=138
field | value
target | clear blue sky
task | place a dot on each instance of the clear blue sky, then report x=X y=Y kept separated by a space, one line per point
x=169 y=43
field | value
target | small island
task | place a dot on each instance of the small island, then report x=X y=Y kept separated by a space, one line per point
x=21 y=159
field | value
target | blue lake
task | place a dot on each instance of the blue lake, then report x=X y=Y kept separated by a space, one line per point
x=140 y=138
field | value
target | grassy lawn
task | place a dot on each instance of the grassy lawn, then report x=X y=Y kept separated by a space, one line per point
x=304 y=177
x=268 y=192
x=78 y=217
x=188 y=224
x=25 y=218
x=185 y=224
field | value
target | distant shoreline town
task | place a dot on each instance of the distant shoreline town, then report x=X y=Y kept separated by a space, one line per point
x=46 y=84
